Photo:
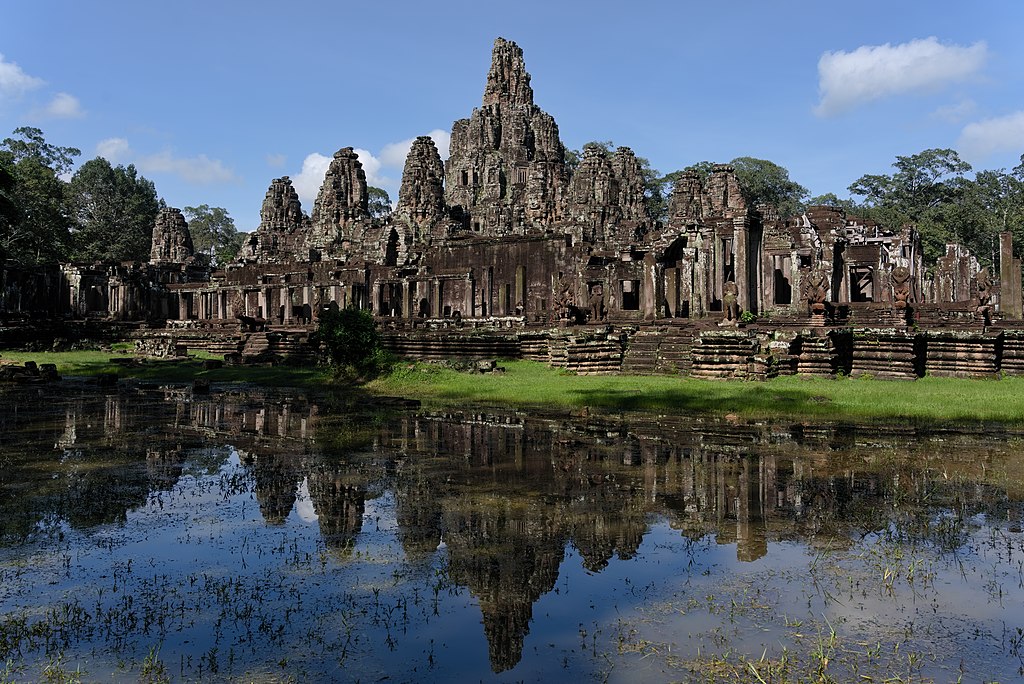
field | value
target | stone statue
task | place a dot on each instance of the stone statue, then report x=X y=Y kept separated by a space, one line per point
x=816 y=291
x=730 y=301
x=984 y=309
x=900 y=277
x=596 y=303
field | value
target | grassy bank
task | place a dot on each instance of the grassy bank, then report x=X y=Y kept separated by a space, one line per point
x=94 y=363
x=531 y=384
x=528 y=384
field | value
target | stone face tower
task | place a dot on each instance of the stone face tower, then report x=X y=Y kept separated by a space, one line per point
x=281 y=235
x=172 y=241
x=507 y=166
x=421 y=198
x=342 y=204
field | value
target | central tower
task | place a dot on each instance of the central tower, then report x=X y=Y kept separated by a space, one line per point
x=506 y=170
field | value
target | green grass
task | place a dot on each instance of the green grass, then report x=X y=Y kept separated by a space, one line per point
x=93 y=363
x=529 y=384
x=532 y=384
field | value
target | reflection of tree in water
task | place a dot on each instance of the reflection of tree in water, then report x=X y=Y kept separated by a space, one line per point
x=79 y=459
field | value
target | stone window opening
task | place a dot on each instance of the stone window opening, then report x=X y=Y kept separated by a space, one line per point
x=630 y=290
x=862 y=284
x=465 y=178
x=782 y=287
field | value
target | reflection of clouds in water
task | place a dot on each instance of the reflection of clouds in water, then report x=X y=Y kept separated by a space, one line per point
x=304 y=504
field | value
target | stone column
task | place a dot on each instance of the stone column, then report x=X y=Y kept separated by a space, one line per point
x=1009 y=279
x=741 y=264
x=672 y=291
x=649 y=291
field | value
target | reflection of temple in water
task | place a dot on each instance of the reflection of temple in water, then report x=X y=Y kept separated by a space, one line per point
x=507 y=493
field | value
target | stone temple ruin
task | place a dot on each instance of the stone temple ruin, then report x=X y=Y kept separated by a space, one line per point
x=504 y=250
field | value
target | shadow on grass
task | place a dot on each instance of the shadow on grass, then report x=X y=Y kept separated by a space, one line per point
x=186 y=371
x=752 y=399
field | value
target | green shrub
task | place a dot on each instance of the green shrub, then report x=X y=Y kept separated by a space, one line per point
x=349 y=337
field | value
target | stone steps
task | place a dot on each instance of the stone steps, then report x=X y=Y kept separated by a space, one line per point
x=442 y=346
x=889 y=354
x=961 y=355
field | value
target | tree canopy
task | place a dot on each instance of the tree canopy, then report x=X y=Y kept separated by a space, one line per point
x=34 y=223
x=113 y=209
x=213 y=233
x=931 y=190
x=762 y=181
x=379 y=204
x=31 y=144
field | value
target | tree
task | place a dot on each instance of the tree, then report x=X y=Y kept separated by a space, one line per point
x=763 y=181
x=379 y=204
x=214 y=233
x=351 y=339
x=32 y=145
x=927 y=190
x=34 y=224
x=113 y=209
x=830 y=199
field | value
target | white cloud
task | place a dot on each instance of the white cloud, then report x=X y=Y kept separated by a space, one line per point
x=199 y=170
x=955 y=113
x=443 y=140
x=371 y=166
x=276 y=160
x=394 y=154
x=63 y=106
x=307 y=183
x=847 y=79
x=980 y=139
x=114 y=150
x=14 y=81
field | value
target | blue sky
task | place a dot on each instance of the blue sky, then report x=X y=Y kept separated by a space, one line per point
x=212 y=100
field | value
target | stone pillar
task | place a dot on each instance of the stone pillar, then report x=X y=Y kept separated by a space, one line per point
x=672 y=291
x=1009 y=279
x=375 y=301
x=520 y=297
x=649 y=292
x=741 y=263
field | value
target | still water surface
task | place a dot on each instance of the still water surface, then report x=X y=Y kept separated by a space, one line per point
x=148 y=534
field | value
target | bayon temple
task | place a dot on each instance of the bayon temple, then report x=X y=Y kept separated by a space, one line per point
x=504 y=251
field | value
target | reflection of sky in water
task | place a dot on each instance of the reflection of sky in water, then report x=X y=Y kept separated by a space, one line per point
x=457 y=549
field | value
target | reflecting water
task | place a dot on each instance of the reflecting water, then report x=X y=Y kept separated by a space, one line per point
x=151 y=534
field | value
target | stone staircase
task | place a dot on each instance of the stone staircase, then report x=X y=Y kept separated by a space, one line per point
x=726 y=354
x=962 y=354
x=443 y=345
x=890 y=353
